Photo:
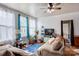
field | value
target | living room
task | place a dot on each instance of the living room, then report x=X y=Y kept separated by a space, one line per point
x=30 y=29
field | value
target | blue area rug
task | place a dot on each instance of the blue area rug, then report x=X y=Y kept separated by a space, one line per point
x=32 y=48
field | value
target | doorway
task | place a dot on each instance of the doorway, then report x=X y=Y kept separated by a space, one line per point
x=67 y=31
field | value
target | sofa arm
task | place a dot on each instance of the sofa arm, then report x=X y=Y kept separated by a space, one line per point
x=45 y=52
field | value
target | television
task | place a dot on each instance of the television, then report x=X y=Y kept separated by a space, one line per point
x=49 y=31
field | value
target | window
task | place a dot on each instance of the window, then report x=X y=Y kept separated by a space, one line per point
x=27 y=27
x=7 y=25
x=23 y=25
x=32 y=27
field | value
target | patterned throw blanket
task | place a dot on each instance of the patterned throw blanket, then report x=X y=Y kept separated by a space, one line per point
x=33 y=48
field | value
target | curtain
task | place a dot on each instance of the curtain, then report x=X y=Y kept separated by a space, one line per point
x=27 y=27
x=7 y=24
x=22 y=27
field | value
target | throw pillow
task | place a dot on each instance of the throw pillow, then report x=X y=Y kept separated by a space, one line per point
x=58 y=46
x=55 y=43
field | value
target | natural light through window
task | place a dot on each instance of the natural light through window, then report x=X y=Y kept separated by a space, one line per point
x=7 y=25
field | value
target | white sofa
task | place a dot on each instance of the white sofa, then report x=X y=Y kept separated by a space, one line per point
x=8 y=50
x=48 y=49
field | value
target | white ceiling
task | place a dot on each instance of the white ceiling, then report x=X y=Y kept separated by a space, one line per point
x=33 y=9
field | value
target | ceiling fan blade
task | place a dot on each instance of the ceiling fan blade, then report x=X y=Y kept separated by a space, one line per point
x=57 y=8
x=43 y=8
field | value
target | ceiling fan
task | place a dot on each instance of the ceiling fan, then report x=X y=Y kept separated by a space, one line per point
x=52 y=7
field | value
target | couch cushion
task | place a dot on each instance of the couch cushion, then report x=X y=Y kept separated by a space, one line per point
x=68 y=51
x=2 y=52
x=51 y=40
x=8 y=53
x=4 y=47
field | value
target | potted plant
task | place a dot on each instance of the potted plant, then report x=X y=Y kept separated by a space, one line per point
x=31 y=41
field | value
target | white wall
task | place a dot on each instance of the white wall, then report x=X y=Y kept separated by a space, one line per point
x=55 y=22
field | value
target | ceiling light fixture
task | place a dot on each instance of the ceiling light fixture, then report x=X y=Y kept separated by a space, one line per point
x=50 y=10
x=52 y=7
